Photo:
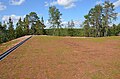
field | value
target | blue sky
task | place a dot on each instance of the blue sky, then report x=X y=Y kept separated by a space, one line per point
x=71 y=9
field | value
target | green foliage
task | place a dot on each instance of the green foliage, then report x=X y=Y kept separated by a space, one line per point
x=55 y=19
x=108 y=16
x=19 y=29
x=86 y=26
x=26 y=23
x=96 y=24
x=3 y=33
x=11 y=29
x=71 y=26
x=114 y=30
x=37 y=26
x=64 y=32
x=97 y=21
x=42 y=26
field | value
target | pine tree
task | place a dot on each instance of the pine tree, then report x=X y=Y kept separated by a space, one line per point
x=108 y=16
x=55 y=19
x=1 y=28
x=11 y=29
x=26 y=25
x=43 y=26
x=33 y=19
x=1 y=32
x=38 y=28
x=4 y=26
x=19 y=28
x=71 y=26
x=86 y=25
x=99 y=18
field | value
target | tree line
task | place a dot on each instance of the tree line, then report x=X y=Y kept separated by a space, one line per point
x=97 y=24
x=30 y=25
x=97 y=21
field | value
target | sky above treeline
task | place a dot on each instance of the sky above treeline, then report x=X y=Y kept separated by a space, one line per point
x=70 y=9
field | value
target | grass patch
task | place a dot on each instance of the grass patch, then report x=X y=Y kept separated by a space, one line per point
x=7 y=45
x=53 y=57
x=103 y=39
x=98 y=75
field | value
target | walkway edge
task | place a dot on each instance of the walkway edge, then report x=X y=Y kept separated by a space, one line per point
x=2 y=56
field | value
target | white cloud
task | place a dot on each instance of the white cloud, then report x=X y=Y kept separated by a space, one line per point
x=64 y=23
x=76 y=22
x=54 y=3
x=99 y=2
x=16 y=2
x=70 y=6
x=118 y=15
x=2 y=6
x=117 y=3
x=46 y=4
x=51 y=3
x=66 y=3
x=47 y=24
x=14 y=18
